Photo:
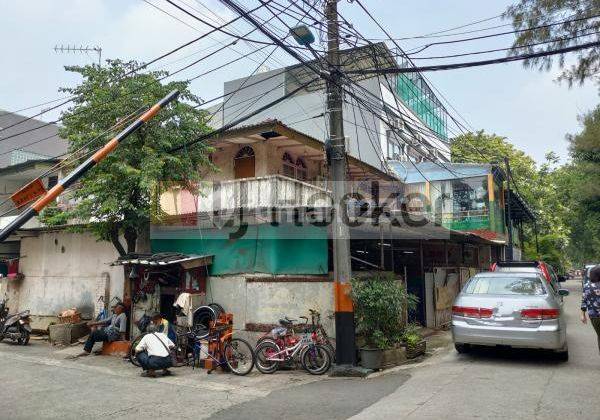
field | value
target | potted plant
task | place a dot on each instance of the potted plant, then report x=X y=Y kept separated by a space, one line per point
x=379 y=304
x=413 y=341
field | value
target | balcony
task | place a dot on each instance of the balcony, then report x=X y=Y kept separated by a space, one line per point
x=267 y=192
x=468 y=220
x=274 y=191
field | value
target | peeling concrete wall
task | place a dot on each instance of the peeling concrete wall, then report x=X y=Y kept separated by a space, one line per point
x=64 y=270
x=254 y=301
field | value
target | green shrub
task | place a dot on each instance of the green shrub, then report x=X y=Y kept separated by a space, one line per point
x=379 y=304
x=411 y=336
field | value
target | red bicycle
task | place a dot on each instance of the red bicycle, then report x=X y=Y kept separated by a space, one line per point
x=287 y=348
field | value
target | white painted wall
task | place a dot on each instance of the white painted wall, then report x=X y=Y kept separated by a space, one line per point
x=64 y=270
x=267 y=302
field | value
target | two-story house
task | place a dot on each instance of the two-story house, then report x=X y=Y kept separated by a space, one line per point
x=262 y=216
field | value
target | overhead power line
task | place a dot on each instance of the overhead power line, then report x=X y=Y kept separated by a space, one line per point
x=516 y=31
x=218 y=28
x=507 y=48
x=135 y=70
x=315 y=67
x=444 y=33
x=454 y=66
x=240 y=120
x=426 y=80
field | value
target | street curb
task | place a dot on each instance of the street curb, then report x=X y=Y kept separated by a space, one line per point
x=430 y=358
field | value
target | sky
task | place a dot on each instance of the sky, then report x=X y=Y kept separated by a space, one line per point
x=527 y=106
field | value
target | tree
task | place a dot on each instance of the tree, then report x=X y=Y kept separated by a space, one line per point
x=118 y=194
x=583 y=186
x=572 y=22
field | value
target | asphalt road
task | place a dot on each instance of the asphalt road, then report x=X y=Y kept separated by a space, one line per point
x=498 y=384
x=38 y=383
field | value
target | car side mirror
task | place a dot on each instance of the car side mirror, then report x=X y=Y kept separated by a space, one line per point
x=563 y=292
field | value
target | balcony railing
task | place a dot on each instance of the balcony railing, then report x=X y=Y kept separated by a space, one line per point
x=466 y=220
x=275 y=191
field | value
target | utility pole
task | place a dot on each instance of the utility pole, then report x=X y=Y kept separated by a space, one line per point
x=81 y=49
x=336 y=148
x=509 y=223
x=33 y=190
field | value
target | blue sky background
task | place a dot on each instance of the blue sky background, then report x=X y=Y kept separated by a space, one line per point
x=525 y=105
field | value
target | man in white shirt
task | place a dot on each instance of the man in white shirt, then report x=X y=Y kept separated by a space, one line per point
x=153 y=353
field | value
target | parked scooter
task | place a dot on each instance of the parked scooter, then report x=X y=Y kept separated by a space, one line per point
x=17 y=327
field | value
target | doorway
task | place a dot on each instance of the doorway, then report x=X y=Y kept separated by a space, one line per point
x=243 y=163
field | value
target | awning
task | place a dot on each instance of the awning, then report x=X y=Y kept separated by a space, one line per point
x=519 y=210
x=165 y=259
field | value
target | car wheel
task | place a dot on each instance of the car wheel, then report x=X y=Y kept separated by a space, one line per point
x=462 y=348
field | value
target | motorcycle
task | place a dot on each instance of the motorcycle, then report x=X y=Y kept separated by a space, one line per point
x=16 y=327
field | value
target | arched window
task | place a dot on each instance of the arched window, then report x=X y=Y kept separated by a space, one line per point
x=289 y=167
x=243 y=163
x=301 y=172
x=244 y=152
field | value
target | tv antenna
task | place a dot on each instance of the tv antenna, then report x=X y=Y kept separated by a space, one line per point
x=81 y=49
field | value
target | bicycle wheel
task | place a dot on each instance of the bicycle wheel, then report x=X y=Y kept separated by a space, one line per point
x=264 y=351
x=203 y=316
x=132 y=356
x=239 y=356
x=217 y=308
x=316 y=359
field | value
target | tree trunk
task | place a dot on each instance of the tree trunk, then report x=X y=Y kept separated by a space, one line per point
x=114 y=238
x=131 y=239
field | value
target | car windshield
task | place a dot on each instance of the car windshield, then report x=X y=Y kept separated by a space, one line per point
x=510 y=285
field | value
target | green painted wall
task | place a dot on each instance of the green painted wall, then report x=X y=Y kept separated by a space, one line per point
x=284 y=249
x=468 y=224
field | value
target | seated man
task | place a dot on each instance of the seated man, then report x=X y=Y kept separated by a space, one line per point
x=113 y=329
x=153 y=352
x=162 y=325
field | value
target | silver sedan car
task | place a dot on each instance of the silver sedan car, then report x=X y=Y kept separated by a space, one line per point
x=510 y=309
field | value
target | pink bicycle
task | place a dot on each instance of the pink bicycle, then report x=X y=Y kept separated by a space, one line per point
x=314 y=357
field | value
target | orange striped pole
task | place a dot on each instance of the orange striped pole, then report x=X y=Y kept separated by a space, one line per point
x=92 y=161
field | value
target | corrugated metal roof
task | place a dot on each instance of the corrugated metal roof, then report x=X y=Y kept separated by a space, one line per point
x=38 y=138
x=429 y=171
x=162 y=259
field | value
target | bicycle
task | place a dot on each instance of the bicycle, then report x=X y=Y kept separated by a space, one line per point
x=287 y=329
x=234 y=354
x=314 y=357
x=322 y=335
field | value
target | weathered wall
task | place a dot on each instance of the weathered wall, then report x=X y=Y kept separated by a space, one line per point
x=283 y=249
x=63 y=270
x=263 y=300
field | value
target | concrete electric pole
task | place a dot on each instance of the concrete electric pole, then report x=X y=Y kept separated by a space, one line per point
x=336 y=152
x=336 y=157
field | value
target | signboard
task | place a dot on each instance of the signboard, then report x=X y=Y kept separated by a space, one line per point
x=28 y=193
